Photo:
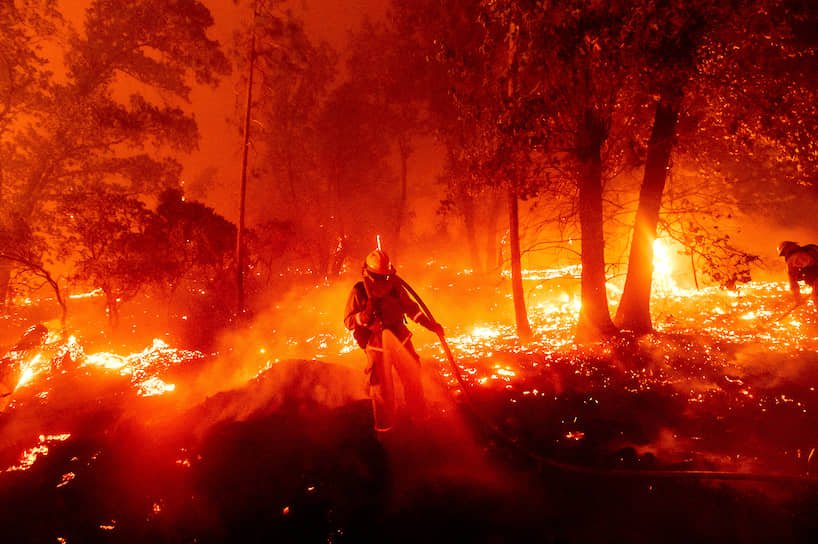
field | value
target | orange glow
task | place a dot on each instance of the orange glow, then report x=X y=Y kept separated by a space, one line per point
x=662 y=269
x=143 y=369
x=29 y=457
x=66 y=478
x=490 y=357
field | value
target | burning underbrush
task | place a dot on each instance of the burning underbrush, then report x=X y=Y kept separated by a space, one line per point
x=726 y=383
x=270 y=435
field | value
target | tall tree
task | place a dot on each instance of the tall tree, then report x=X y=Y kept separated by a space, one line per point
x=575 y=62
x=469 y=65
x=385 y=67
x=354 y=161
x=739 y=75
x=294 y=76
x=86 y=133
x=671 y=37
x=107 y=235
x=24 y=88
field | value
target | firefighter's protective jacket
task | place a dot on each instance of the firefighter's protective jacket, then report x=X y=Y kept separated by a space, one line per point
x=389 y=311
x=802 y=264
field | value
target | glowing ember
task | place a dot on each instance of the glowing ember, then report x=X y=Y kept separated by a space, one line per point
x=154 y=386
x=31 y=369
x=29 y=457
x=708 y=347
x=484 y=332
x=142 y=367
x=89 y=294
x=66 y=478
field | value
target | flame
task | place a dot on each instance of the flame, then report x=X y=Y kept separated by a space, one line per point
x=154 y=386
x=30 y=369
x=489 y=354
x=29 y=456
x=143 y=368
x=90 y=294
x=66 y=478
x=662 y=268
x=485 y=332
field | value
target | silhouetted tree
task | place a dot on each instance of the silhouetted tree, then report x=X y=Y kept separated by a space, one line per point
x=359 y=184
x=195 y=245
x=388 y=71
x=24 y=88
x=469 y=90
x=570 y=83
x=671 y=40
x=106 y=235
x=294 y=77
x=79 y=133
x=738 y=74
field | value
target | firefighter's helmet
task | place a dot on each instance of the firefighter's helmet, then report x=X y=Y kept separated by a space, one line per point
x=786 y=248
x=378 y=262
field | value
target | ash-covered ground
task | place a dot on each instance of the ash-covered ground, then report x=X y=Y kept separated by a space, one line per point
x=269 y=438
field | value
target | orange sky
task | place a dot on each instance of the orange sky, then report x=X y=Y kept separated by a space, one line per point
x=329 y=20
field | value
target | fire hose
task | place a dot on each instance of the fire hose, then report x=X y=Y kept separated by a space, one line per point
x=569 y=467
x=791 y=310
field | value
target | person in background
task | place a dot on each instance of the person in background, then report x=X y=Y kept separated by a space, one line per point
x=376 y=313
x=802 y=265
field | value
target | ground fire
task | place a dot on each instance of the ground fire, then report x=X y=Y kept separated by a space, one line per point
x=724 y=385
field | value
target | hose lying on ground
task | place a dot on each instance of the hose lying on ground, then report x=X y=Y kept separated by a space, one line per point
x=568 y=467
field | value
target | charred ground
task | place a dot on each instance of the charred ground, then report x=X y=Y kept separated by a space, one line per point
x=288 y=454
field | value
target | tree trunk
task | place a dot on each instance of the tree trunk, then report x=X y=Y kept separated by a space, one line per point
x=634 y=307
x=5 y=278
x=112 y=308
x=594 y=317
x=518 y=294
x=404 y=150
x=471 y=231
x=494 y=259
x=243 y=183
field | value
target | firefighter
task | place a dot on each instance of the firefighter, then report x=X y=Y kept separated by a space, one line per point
x=802 y=264
x=376 y=314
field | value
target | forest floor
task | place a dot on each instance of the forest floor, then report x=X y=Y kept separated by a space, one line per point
x=268 y=437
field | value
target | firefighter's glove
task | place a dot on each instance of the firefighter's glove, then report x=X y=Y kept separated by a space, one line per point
x=436 y=328
x=433 y=326
x=367 y=315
